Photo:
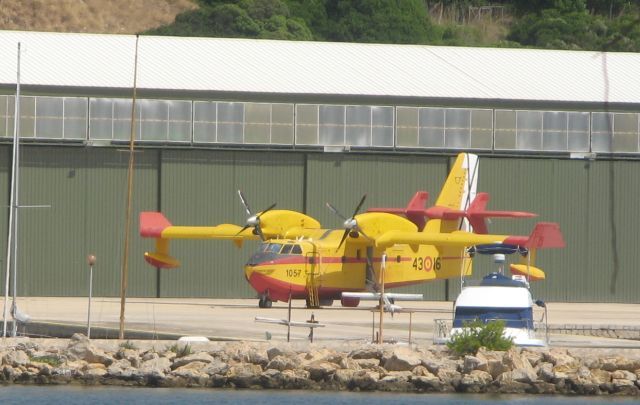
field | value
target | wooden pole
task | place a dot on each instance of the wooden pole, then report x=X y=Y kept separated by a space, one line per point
x=125 y=259
x=289 y=318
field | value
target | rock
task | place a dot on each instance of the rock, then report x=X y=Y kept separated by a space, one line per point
x=122 y=369
x=513 y=360
x=402 y=359
x=475 y=381
x=627 y=364
x=349 y=363
x=560 y=357
x=364 y=380
x=397 y=381
x=533 y=357
x=258 y=357
x=600 y=376
x=343 y=376
x=15 y=358
x=295 y=379
x=192 y=371
x=202 y=357
x=81 y=348
x=427 y=383
x=321 y=370
x=624 y=386
x=244 y=375
x=216 y=367
x=157 y=366
x=624 y=375
x=449 y=377
x=474 y=363
x=283 y=363
x=367 y=352
x=368 y=363
x=495 y=366
x=149 y=356
x=274 y=352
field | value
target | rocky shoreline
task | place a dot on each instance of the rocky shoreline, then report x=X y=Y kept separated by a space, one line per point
x=344 y=366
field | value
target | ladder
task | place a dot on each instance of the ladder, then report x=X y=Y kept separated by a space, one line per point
x=313 y=299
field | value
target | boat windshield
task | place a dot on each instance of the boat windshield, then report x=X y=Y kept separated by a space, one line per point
x=513 y=317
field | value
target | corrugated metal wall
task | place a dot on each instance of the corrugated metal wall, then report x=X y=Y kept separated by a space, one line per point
x=596 y=206
x=595 y=203
x=200 y=188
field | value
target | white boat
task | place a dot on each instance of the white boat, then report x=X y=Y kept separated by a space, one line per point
x=496 y=297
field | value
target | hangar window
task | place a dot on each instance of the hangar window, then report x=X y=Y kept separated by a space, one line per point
x=406 y=127
x=205 y=116
x=431 y=128
x=282 y=124
x=331 y=120
x=481 y=132
x=578 y=131
x=625 y=133
x=306 y=124
x=457 y=128
x=382 y=126
x=529 y=130
x=358 y=125
x=230 y=123
x=554 y=131
x=602 y=132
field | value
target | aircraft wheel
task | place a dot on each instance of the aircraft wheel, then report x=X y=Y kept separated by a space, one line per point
x=349 y=302
x=265 y=302
x=326 y=302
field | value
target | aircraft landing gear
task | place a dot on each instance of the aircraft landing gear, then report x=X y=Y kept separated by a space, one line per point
x=265 y=302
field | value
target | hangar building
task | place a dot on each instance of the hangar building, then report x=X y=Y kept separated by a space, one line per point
x=301 y=124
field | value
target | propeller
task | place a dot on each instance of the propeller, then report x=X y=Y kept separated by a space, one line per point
x=350 y=224
x=253 y=220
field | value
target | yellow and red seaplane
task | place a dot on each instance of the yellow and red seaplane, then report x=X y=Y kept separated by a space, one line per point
x=300 y=260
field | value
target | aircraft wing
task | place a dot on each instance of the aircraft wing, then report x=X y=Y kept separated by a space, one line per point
x=544 y=235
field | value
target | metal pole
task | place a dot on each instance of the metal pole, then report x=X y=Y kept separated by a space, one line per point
x=91 y=260
x=289 y=318
x=12 y=237
x=125 y=260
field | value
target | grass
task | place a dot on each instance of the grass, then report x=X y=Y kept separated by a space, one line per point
x=180 y=350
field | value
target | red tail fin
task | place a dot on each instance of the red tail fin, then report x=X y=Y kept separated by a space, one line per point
x=415 y=211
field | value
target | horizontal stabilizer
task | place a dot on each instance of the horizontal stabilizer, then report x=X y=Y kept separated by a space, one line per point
x=152 y=224
x=545 y=235
x=289 y=323
x=532 y=273
x=376 y=296
x=160 y=260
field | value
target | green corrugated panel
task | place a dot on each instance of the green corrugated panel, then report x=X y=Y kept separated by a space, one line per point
x=200 y=188
x=86 y=189
x=5 y=164
x=588 y=200
x=390 y=181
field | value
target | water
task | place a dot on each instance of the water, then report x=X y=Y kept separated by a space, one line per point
x=117 y=395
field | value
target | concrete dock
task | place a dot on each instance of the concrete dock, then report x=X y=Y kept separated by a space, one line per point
x=234 y=319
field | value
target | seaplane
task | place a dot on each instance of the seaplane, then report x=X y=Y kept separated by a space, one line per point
x=373 y=251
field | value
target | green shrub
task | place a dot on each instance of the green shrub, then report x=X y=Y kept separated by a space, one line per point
x=53 y=361
x=128 y=345
x=478 y=334
x=181 y=350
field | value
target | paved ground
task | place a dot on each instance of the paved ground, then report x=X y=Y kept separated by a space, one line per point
x=235 y=319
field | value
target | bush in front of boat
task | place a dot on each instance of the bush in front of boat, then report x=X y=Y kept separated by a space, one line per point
x=477 y=334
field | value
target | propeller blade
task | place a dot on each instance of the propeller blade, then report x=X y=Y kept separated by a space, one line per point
x=359 y=206
x=243 y=229
x=265 y=211
x=335 y=211
x=244 y=202
x=259 y=230
x=344 y=236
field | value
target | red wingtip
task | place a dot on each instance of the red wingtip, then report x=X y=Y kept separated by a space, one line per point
x=152 y=224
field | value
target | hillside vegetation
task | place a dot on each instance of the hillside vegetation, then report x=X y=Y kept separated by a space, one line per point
x=97 y=16
x=612 y=25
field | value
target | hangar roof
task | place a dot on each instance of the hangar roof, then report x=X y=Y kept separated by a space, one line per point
x=320 y=68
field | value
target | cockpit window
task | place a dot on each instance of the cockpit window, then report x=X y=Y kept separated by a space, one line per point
x=274 y=248
x=286 y=249
x=297 y=250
